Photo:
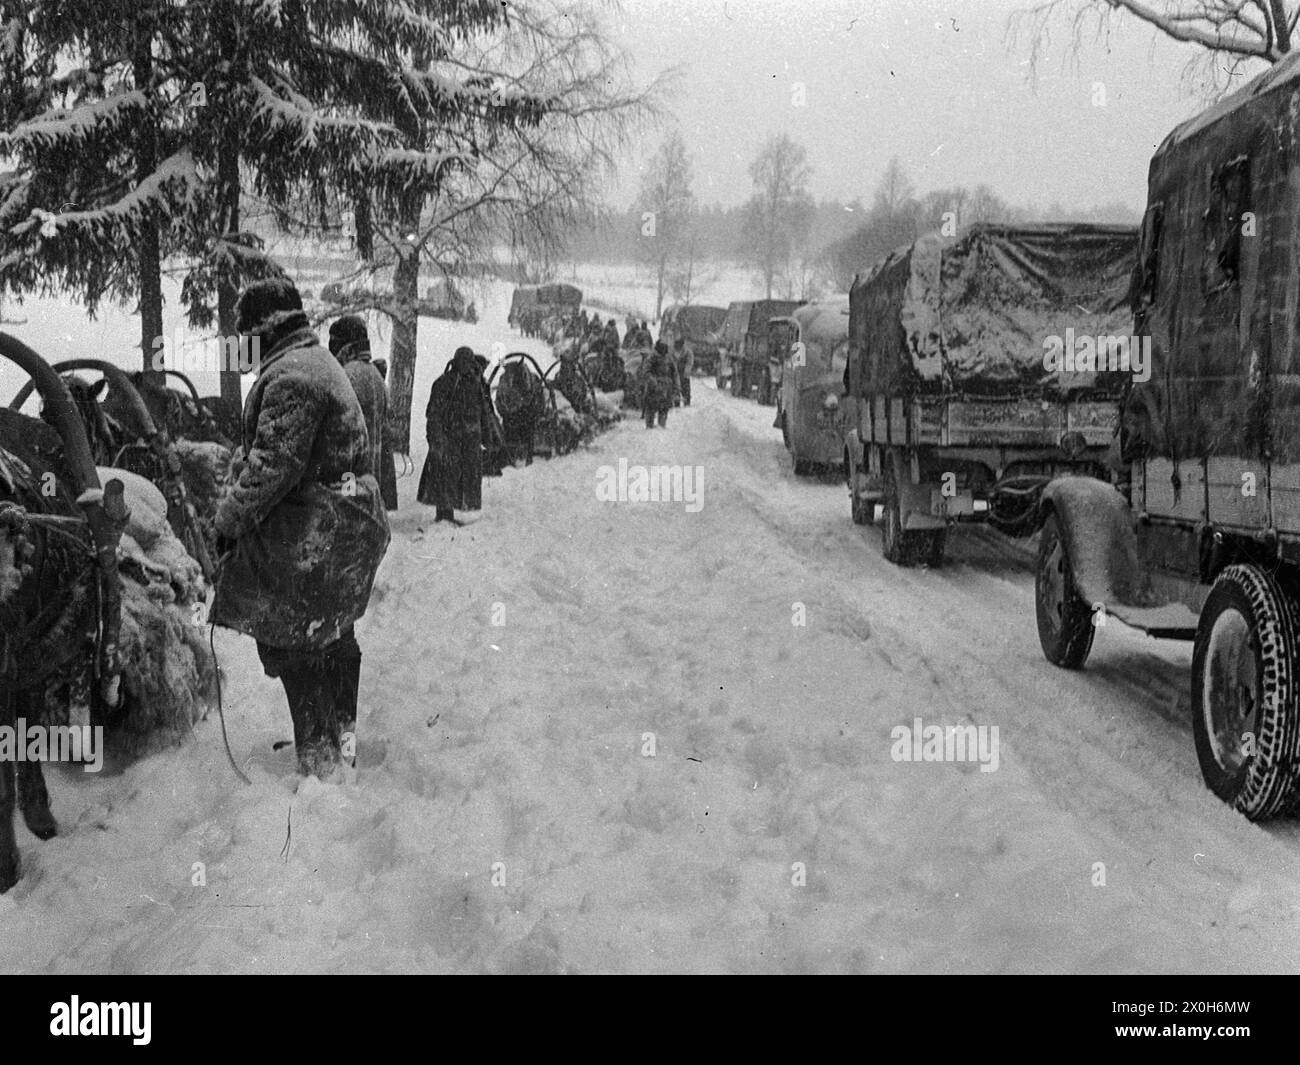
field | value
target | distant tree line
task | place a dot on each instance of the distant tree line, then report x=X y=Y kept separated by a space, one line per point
x=798 y=248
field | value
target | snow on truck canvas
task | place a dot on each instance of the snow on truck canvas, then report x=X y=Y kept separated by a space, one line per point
x=648 y=487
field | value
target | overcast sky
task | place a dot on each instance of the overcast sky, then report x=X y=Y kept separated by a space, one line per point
x=935 y=83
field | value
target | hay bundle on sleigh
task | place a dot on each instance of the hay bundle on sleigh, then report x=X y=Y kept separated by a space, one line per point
x=168 y=676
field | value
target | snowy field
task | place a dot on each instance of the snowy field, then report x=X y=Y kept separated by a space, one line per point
x=60 y=330
x=508 y=816
x=622 y=289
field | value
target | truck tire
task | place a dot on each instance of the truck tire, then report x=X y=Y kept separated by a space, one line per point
x=863 y=510
x=1065 y=622
x=901 y=547
x=1244 y=683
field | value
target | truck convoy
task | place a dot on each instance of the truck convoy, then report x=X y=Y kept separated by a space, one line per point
x=980 y=367
x=1200 y=535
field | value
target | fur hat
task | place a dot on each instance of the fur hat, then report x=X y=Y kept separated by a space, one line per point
x=348 y=337
x=263 y=299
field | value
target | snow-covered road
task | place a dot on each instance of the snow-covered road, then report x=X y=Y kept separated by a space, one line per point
x=510 y=815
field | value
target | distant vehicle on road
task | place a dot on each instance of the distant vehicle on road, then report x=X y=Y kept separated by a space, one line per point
x=743 y=346
x=812 y=346
x=698 y=325
x=536 y=303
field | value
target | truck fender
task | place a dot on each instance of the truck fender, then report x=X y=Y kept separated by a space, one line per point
x=1097 y=526
x=913 y=495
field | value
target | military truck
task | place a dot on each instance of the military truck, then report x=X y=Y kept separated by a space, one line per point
x=743 y=347
x=698 y=325
x=1200 y=539
x=540 y=302
x=813 y=345
x=966 y=403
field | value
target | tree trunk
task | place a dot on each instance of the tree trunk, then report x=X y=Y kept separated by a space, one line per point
x=659 y=294
x=1281 y=25
x=406 y=294
x=232 y=399
x=401 y=369
x=149 y=256
x=365 y=240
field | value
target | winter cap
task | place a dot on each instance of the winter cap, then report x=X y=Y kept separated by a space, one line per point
x=463 y=360
x=348 y=336
x=661 y=347
x=265 y=298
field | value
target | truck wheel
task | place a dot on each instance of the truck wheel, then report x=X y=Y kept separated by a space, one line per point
x=901 y=547
x=863 y=510
x=1245 y=715
x=1065 y=624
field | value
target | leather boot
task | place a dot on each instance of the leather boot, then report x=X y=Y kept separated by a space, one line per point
x=34 y=801
x=309 y=690
x=347 y=685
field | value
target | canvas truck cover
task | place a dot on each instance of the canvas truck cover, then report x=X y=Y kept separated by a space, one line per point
x=697 y=321
x=1219 y=294
x=975 y=314
x=559 y=293
x=527 y=297
x=763 y=311
x=736 y=323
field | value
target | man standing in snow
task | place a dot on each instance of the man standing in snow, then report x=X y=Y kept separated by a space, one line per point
x=457 y=420
x=659 y=386
x=350 y=344
x=302 y=530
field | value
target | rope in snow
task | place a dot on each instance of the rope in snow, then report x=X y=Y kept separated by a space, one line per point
x=221 y=713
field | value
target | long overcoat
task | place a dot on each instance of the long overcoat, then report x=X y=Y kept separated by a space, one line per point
x=304 y=512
